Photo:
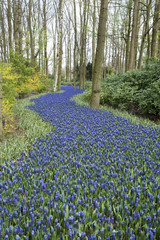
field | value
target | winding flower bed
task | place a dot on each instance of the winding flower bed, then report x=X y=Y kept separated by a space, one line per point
x=96 y=177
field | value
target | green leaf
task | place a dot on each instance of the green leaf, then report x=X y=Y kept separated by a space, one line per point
x=67 y=212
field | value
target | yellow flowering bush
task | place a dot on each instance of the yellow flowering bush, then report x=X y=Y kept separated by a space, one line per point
x=9 y=82
x=8 y=116
x=30 y=84
x=18 y=79
x=12 y=86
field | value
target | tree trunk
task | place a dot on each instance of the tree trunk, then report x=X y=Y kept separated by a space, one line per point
x=84 y=54
x=155 y=28
x=158 y=53
x=54 y=57
x=84 y=24
x=105 y=56
x=1 y=50
x=75 y=47
x=70 y=61
x=45 y=38
x=123 y=59
x=82 y=44
x=54 y=49
x=67 y=61
x=133 y=37
x=9 y=28
x=148 y=46
x=1 y=123
x=2 y=21
x=20 y=34
x=96 y=85
x=15 y=24
x=137 y=35
x=68 y=55
x=39 y=34
x=60 y=62
x=30 y=32
x=59 y=49
x=27 y=42
x=145 y=32
x=128 y=35
x=93 y=36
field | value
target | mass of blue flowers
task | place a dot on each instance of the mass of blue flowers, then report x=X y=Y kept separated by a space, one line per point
x=96 y=176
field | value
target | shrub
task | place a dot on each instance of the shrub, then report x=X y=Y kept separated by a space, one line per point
x=18 y=79
x=10 y=81
x=134 y=91
x=65 y=83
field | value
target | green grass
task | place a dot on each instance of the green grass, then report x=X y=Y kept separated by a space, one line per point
x=31 y=127
x=79 y=99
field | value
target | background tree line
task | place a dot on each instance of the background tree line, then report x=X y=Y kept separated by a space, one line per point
x=31 y=28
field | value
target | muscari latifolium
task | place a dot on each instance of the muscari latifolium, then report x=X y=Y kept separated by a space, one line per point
x=95 y=177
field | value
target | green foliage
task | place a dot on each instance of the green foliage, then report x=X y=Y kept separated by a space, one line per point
x=137 y=92
x=88 y=84
x=42 y=88
x=21 y=66
x=65 y=83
